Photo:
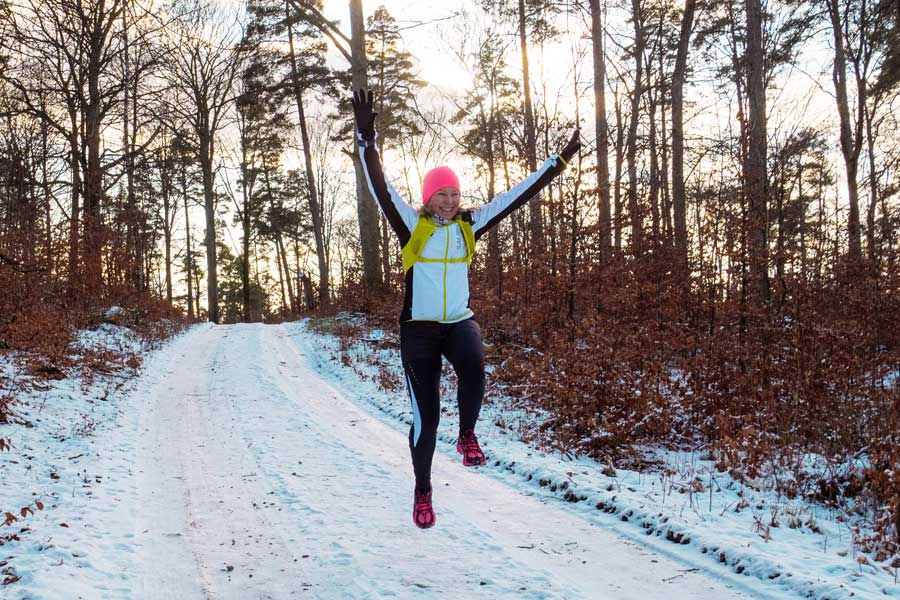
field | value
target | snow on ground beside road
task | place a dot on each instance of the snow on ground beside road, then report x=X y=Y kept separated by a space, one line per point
x=72 y=454
x=791 y=544
x=247 y=462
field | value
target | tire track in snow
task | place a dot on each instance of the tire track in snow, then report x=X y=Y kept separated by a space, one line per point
x=199 y=490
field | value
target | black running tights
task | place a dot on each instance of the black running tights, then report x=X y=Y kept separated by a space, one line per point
x=422 y=343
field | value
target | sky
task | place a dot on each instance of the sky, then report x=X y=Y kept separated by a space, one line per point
x=424 y=40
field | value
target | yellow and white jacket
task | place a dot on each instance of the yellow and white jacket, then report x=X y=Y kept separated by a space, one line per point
x=437 y=275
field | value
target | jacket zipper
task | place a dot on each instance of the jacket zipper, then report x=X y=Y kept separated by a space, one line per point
x=446 y=255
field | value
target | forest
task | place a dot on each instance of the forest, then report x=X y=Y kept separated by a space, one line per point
x=719 y=269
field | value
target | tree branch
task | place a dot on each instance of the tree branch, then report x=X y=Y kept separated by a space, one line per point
x=16 y=265
x=327 y=27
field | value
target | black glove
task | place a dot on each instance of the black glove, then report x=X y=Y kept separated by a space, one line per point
x=364 y=115
x=572 y=147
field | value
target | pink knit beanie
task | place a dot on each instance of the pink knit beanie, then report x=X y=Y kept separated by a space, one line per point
x=437 y=178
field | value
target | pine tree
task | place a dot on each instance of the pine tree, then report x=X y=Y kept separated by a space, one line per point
x=393 y=79
x=395 y=85
x=298 y=71
x=263 y=126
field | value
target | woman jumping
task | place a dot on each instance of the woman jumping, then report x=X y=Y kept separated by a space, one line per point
x=438 y=243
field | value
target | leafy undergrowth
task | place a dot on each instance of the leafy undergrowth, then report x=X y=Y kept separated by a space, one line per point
x=803 y=519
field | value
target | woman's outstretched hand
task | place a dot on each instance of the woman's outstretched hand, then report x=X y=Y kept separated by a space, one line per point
x=572 y=147
x=364 y=114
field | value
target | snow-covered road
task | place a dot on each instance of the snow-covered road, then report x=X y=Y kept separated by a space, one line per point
x=257 y=479
x=233 y=469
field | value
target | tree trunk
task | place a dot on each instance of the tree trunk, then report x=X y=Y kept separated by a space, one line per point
x=74 y=217
x=132 y=247
x=535 y=224
x=873 y=193
x=664 y=170
x=887 y=235
x=678 y=195
x=141 y=222
x=780 y=239
x=514 y=217
x=740 y=238
x=601 y=129
x=245 y=241
x=197 y=293
x=187 y=237
x=45 y=188
x=306 y=284
x=494 y=258
x=281 y=276
x=821 y=229
x=551 y=231
x=755 y=170
x=206 y=166
x=93 y=187
x=167 y=229
x=292 y=298
x=803 y=250
x=385 y=250
x=573 y=226
x=365 y=204
x=617 y=179
x=654 y=170
x=637 y=231
x=850 y=147
x=314 y=206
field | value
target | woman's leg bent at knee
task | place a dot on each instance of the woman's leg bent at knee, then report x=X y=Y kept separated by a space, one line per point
x=464 y=348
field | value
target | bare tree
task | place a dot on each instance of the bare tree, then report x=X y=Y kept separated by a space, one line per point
x=860 y=35
x=536 y=222
x=139 y=62
x=529 y=16
x=167 y=167
x=73 y=50
x=851 y=129
x=601 y=127
x=300 y=84
x=637 y=89
x=202 y=64
x=678 y=79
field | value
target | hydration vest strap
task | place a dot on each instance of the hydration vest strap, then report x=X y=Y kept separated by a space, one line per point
x=425 y=228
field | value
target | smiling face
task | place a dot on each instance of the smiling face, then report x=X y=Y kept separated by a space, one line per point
x=444 y=203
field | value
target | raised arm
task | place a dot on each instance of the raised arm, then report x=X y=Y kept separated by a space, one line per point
x=487 y=216
x=401 y=216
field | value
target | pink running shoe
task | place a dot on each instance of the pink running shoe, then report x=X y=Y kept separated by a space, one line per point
x=467 y=445
x=423 y=514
